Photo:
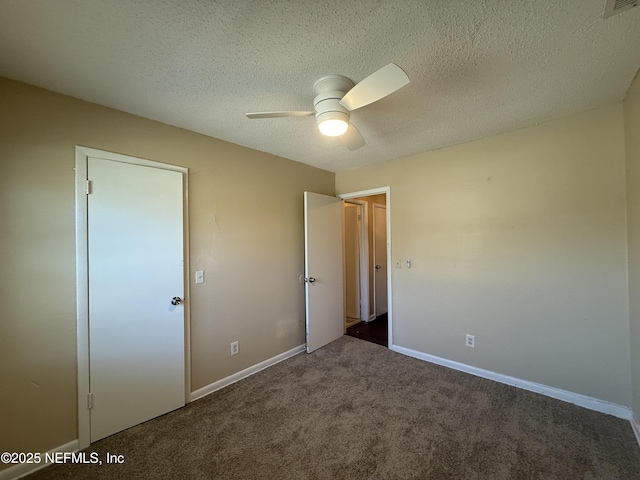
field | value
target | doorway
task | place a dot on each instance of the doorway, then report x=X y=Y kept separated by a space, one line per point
x=132 y=318
x=380 y=259
x=356 y=261
x=374 y=324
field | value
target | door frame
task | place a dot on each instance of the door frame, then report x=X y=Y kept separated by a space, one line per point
x=82 y=276
x=364 y=257
x=387 y=192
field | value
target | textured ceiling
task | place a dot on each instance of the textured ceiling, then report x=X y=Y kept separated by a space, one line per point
x=477 y=68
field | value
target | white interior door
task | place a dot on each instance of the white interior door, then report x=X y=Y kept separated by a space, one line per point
x=135 y=256
x=380 y=257
x=324 y=274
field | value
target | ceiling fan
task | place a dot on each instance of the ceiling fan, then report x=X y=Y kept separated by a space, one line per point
x=337 y=96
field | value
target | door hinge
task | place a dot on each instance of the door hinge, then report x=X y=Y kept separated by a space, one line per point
x=89 y=401
x=87 y=187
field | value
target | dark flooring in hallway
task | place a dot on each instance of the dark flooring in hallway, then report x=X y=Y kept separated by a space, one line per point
x=376 y=331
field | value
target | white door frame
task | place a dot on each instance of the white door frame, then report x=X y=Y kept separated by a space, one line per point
x=364 y=257
x=387 y=192
x=82 y=277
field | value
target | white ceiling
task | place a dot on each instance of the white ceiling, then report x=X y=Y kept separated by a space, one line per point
x=477 y=67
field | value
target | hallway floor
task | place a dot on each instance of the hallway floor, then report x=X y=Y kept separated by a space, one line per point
x=376 y=331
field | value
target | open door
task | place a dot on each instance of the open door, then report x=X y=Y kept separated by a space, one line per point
x=323 y=269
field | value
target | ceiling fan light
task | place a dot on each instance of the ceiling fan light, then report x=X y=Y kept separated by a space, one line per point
x=333 y=124
x=333 y=127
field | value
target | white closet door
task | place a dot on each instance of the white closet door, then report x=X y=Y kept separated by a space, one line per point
x=135 y=255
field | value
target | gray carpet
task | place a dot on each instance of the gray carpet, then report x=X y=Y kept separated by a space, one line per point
x=356 y=410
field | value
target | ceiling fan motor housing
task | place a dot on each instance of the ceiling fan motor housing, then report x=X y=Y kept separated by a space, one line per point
x=329 y=91
x=333 y=83
x=327 y=105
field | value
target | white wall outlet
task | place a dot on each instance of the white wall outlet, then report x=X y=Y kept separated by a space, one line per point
x=199 y=276
x=408 y=263
x=470 y=341
x=235 y=348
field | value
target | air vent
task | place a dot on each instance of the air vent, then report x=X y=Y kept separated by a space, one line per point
x=614 y=7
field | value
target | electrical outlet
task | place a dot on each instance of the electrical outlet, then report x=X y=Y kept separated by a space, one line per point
x=470 y=341
x=235 y=348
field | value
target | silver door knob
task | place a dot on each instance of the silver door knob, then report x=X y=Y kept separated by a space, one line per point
x=176 y=301
x=311 y=280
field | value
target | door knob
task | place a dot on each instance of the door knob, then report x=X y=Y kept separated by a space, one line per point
x=311 y=280
x=378 y=267
x=176 y=301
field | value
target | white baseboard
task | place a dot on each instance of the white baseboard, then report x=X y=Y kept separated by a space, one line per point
x=564 y=395
x=204 y=391
x=22 y=469
x=636 y=426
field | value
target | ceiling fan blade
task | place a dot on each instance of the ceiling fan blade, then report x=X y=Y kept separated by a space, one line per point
x=352 y=138
x=279 y=114
x=376 y=86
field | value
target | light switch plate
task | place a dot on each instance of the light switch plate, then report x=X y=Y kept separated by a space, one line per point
x=199 y=276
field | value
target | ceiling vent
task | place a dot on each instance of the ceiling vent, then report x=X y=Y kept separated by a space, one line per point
x=614 y=7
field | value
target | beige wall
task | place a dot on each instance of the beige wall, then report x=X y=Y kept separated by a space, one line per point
x=520 y=240
x=632 y=137
x=246 y=233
